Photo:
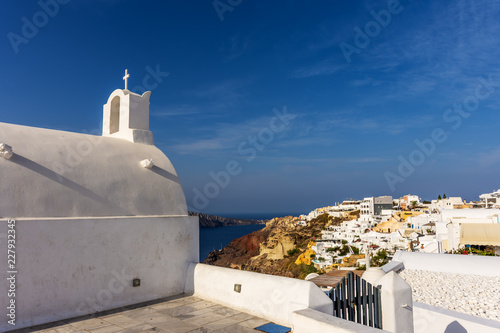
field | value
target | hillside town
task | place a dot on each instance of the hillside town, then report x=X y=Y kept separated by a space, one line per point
x=383 y=225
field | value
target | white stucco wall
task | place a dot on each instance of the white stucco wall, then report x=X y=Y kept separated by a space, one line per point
x=63 y=174
x=431 y=319
x=272 y=297
x=71 y=267
x=451 y=263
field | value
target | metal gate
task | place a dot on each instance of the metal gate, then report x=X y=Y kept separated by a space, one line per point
x=356 y=300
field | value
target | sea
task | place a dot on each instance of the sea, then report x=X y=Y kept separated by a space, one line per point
x=216 y=238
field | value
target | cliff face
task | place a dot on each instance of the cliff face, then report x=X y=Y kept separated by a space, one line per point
x=211 y=221
x=239 y=252
x=273 y=249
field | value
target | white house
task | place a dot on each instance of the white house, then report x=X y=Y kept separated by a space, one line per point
x=367 y=209
x=372 y=207
x=416 y=222
x=459 y=227
x=491 y=200
x=348 y=205
x=448 y=203
x=313 y=214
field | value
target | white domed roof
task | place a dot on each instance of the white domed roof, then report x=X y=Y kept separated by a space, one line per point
x=63 y=174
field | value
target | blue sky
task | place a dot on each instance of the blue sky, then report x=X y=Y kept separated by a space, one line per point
x=380 y=98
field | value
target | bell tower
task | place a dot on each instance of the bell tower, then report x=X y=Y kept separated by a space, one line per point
x=126 y=115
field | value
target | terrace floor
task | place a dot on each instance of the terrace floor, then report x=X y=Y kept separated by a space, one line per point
x=178 y=314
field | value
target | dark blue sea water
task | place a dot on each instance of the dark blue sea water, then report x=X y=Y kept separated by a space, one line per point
x=217 y=238
x=258 y=216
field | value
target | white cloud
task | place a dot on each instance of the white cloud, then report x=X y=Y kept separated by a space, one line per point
x=200 y=145
x=490 y=158
x=227 y=136
x=223 y=95
x=182 y=110
x=366 y=82
x=323 y=68
x=326 y=160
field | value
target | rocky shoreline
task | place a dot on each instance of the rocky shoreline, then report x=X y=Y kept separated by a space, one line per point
x=273 y=249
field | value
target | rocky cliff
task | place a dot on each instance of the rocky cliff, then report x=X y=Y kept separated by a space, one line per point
x=273 y=249
x=211 y=221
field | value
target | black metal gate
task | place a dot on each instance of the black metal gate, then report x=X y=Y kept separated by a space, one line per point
x=356 y=300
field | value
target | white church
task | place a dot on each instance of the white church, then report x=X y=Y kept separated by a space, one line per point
x=101 y=222
x=91 y=218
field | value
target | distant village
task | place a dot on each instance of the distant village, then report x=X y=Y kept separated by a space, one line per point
x=382 y=225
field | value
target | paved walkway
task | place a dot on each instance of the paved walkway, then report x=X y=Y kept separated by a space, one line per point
x=179 y=314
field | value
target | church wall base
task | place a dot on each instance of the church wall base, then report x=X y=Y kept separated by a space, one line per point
x=77 y=266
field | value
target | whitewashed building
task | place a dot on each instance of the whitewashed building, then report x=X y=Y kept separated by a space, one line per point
x=406 y=202
x=448 y=203
x=372 y=207
x=491 y=200
x=459 y=227
x=366 y=209
x=349 y=205
x=417 y=222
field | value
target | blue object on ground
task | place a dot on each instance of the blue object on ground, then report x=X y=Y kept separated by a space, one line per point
x=273 y=328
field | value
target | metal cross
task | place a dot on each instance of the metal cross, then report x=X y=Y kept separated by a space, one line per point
x=125 y=78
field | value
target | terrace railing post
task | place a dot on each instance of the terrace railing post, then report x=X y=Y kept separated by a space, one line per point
x=395 y=300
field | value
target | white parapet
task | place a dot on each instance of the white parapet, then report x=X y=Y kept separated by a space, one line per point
x=309 y=320
x=271 y=297
x=449 y=263
x=430 y=319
